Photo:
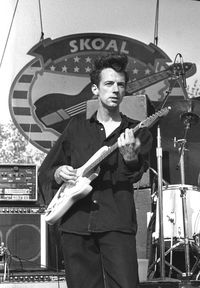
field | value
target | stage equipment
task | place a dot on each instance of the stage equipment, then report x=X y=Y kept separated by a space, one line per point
x=188 y=117
x=4 y=261
x=35 y=279
x=24 y=234
x=183 y=113
x=18 y=182
x=173 y=211
x=142 y=198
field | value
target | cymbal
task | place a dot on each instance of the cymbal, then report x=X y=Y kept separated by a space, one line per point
x=183 y=120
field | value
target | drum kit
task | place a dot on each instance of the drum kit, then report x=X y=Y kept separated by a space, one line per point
x=177 y=220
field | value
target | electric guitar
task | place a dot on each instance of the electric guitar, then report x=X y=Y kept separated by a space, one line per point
x=69 y=193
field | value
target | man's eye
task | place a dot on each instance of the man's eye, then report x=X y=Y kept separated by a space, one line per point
x=109 y=83
x=122 y=85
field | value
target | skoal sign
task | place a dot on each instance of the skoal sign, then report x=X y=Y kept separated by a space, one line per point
x=55 y=85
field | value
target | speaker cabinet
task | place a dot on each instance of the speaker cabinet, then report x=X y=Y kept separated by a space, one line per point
x=135 y=106
x=142 y=199
x=24 y=236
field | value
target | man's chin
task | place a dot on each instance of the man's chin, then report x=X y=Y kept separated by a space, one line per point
x=113 y=107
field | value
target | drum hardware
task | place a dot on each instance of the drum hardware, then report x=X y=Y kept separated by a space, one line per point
x=188 y=118
x=195 y=246
x=184 y=113
x=156 y=174
x=160 y=188
x=170 y=265
x=4 y=261
x=198 y=181
x=185 y=228
x=187 y=115
x=183 y=190
x=175 y=247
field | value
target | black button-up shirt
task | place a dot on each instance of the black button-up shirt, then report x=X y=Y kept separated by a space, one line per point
x=110 y=204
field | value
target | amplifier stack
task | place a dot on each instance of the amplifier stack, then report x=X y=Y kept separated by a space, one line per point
x=18 y=182
x=23 y=230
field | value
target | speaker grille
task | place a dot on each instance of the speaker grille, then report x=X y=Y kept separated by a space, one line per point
x=25 y=238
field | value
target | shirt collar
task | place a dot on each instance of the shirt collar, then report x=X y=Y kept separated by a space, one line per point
x=125 y=119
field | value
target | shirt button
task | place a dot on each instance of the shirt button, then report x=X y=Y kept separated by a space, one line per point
x=95 y=206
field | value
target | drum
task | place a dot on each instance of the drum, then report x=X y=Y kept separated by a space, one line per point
x=173 y=211
x=196 y=235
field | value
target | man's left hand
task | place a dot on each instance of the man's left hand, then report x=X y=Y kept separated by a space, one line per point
x=129 y=146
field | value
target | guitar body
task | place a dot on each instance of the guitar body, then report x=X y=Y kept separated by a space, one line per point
x=65 y=197
x=69 y=193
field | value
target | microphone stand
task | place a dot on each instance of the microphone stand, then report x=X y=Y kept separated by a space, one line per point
x=160 y=201
x=188 y=119
x=183 y=191
x=160 y=192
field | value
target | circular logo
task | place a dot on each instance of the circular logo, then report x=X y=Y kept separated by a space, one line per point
x=55 y=85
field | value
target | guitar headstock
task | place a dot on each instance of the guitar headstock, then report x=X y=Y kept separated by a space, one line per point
x=177 y=69
x=162 y=112
x=148 y=122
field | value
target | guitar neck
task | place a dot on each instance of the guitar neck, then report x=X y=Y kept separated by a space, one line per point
x=136 y=85
x=145 y=123
x=110 y=149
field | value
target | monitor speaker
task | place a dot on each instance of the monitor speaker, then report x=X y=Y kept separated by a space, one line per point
x=24 y=237
x=142 y=198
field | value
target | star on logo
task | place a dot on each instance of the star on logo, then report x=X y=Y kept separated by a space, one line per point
x=135 y=71
x=76 y=69
x=88 y=69
x=88 y=60
x=64 y=69
x=76 y=59
x=52 y=68
x=147 y=72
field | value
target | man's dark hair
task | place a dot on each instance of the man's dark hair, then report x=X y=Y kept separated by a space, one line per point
x=118 y=62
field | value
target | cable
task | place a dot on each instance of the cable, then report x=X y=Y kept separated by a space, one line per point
x=156 y=24
x=4 y=50
x=41 y=25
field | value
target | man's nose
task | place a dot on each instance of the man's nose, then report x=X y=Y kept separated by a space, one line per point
x=115 y=87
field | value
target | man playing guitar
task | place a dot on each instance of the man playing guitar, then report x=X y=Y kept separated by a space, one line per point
x=98 y=231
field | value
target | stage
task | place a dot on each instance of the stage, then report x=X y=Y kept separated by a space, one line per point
x=169 y=284
x=50 y=279
x=62 y=284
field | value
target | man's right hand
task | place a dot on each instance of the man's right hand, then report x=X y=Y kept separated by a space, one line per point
x=65 y=173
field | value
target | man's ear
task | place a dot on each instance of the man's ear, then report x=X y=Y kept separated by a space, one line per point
x=95 y=89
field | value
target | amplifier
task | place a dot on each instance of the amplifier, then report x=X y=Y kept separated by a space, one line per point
x=23 y=230
x=37 y=276
x=18 y=182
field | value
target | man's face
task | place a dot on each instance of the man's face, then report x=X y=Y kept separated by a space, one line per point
x=111 y=88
